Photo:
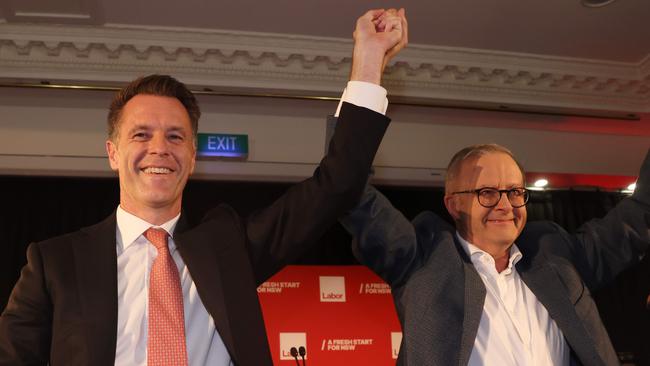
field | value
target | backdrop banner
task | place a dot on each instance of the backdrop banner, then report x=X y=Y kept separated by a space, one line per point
x=341 y=315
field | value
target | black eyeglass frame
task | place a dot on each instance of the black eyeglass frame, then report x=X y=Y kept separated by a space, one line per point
x=525 y=192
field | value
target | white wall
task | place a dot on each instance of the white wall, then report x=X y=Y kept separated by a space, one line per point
x=62 y=132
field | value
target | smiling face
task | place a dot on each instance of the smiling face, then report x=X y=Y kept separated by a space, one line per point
x=491 y=229
x=154 y=155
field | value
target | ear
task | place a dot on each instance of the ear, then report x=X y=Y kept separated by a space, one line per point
x=193 y=163
x=452 y=206
x=111 y=151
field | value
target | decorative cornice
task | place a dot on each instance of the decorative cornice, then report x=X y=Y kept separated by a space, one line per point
x=299 y=65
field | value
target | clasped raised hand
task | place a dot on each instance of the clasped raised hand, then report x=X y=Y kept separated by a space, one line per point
x=379 y=35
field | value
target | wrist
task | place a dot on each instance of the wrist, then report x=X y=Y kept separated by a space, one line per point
x=367 y=66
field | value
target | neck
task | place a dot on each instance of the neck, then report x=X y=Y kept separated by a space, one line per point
x=501 y=256
x=500 y=253
x=501 y=263
x=151 y=215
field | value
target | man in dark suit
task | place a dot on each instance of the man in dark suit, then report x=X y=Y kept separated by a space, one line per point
x=142 y=287
x=491 y=291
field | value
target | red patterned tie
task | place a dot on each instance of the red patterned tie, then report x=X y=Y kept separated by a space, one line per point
x=166 y=338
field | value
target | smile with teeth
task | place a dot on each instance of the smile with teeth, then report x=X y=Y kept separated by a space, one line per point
x=156 y=170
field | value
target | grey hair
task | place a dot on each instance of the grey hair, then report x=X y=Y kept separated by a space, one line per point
x=475 y=151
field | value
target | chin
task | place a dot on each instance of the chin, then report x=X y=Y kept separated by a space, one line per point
x=159 y=200
x=504 y=240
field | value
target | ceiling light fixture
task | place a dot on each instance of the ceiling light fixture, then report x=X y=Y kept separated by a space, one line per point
x=632 y=187
x=596 y=3
x=540 y=183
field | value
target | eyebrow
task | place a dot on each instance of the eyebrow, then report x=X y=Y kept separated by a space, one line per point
x=176 y=129
x=148 y=128
x=139 y=127
x=509 y=186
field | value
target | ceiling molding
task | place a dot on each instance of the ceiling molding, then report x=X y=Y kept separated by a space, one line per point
x=644 y=68
x=299 y=65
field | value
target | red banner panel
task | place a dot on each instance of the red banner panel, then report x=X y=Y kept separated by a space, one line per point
x=341 y=315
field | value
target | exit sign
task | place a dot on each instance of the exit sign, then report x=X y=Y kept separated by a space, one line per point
x=222 y=145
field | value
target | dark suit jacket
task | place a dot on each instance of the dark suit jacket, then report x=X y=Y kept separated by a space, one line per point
x=439 y=295
x=63 y=310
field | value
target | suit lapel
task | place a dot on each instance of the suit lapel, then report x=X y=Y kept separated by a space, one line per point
x=202 y=261
x=474 y=300
x=543 y=281
x=216 y=256
x=95 y=261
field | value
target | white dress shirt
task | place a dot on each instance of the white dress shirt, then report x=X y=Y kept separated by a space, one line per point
x=135 y=256
x=515 y=328
x=364 y=94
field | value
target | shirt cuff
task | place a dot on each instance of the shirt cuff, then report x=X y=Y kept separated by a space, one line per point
x=363 y=94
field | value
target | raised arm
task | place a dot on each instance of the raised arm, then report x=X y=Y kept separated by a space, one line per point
x=607 y=246
x=383 y=239
x=602 y=248
x=282 y=231
x=386 y=241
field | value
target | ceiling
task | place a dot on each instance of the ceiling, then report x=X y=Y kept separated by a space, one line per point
x=553 y=56
x=618 y=32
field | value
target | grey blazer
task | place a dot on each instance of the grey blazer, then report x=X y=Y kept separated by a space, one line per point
x=439 y=295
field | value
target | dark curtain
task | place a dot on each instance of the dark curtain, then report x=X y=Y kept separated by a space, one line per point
x=37 y=208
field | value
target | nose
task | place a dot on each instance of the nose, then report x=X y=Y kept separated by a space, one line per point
x=158 y=144
x=504 y=202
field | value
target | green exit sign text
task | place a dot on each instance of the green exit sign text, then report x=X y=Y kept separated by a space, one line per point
x=222 y=145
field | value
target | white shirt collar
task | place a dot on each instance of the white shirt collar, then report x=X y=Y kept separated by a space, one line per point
x=476 y=254
x=130 y=227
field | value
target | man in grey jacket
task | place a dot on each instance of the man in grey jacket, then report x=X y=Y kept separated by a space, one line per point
x=493 y=290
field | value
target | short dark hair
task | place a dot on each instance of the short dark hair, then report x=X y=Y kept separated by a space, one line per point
x=475 y=151
x=161 y=85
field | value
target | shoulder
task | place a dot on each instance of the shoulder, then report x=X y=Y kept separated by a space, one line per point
x=430 y=219
x=59 y=251
x=102 y=228
x=219 y=220
x=546 y=236
x=538 y=229
x=62 y=240
x=222 y=212
x=429 y=226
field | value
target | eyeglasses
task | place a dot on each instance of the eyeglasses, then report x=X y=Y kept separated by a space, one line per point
x=490 y=197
